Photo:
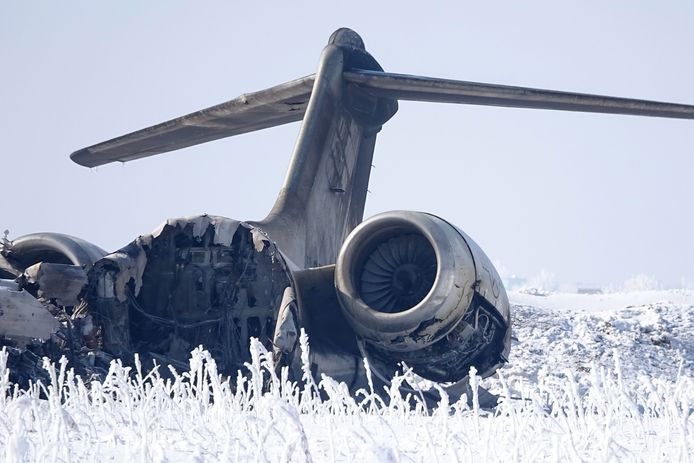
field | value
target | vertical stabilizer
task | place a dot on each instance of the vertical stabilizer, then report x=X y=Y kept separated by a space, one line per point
x=324 y=193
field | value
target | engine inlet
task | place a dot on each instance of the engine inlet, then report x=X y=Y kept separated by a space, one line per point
x=398 y=273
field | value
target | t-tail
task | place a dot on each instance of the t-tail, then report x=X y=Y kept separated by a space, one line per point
x=343 y=107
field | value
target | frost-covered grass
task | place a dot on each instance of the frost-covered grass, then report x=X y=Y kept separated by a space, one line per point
x=200 y=416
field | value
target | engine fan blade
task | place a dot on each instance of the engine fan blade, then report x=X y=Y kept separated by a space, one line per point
x=398 y=273
x=277 y=105
x=419 y=88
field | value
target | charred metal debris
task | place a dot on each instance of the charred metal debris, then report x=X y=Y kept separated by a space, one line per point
x=192 y=282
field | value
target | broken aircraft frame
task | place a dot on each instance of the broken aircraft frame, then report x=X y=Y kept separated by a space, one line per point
x=399 y=287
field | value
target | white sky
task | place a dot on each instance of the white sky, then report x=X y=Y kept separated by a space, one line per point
x=591 y=198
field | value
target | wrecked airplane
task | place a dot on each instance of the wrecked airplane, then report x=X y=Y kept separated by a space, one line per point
x=399 y=287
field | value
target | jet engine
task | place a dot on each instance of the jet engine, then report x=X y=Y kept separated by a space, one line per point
x=418 y=290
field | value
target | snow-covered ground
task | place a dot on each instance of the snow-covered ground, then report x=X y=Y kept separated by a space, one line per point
x=600 y=377
x=650 y=333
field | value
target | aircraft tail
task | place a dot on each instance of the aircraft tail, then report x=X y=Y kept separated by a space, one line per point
x=343 y=107
x=324 y=192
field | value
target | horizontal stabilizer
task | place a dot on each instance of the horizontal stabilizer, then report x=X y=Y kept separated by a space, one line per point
x=418 y=88
x=253 y=111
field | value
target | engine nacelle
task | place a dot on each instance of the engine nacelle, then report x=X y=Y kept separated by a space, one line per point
x=419 y=290
x=57 y=248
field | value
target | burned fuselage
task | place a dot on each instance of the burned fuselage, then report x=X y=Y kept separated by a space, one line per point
x=203 y=280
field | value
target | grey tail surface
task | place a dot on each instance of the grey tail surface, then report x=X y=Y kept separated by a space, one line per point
x=343 y=107
x=325 y=189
